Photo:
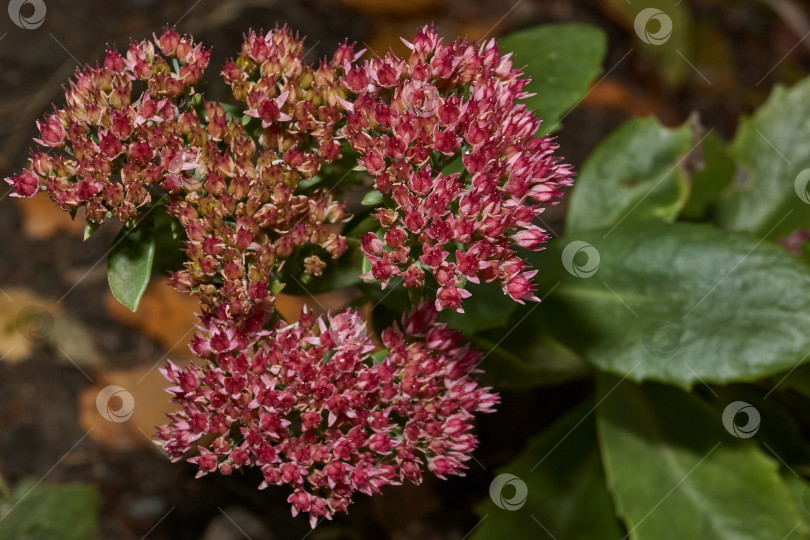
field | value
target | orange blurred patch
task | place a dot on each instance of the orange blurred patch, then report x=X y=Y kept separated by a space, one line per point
x=41 y=218
x=120 y=422
x=613 y=94
x=165 y=315
x=169 y=317
x=290 y=306
x=28 y=321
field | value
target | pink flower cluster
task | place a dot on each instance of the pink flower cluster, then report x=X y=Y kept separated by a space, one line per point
x=309 y=405
x=452 y=153
x=410 y=118
x=248 y=223
x=109 y=144
x=298 y=105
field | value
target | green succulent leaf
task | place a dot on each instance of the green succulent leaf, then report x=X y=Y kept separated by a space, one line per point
x=633 y=175
x=770 y=195
x=232 y=111
x=129 y=263
x=676 y=303
x=90 y=229
x=562 y=61
x=372 y=198
x=675 y=472
x=528 y=357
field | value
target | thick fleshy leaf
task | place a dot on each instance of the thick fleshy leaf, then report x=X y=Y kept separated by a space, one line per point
x=631 y=176
x=562 y=61
x=771 y=196
x=90 y=229
x=67 y=512
x=675 y=472
x=129 y=264
x=372 y=198
x=676 y=303
x=565 y=492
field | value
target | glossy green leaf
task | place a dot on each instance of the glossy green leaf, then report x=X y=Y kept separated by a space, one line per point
x=631 y=176
x=565 y=495
x=47 y=512
x=677 y=303
x=365 y=268
x=372 y=198
x=90 y=229
x=309 y=182
x=770 y=196
x=562 y=61
x=276 y=287
x=129 y=263
x=676 y=473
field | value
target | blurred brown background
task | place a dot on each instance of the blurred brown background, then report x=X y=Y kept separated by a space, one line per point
x=62 y=337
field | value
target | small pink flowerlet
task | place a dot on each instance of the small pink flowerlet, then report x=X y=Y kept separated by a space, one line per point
x=452 y=107
x=25 y=184
x=53 y=132
x=309 y=406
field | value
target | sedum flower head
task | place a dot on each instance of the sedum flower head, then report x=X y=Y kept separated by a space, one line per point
x=452 y=148
x=312 y=408
x=111 y=143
